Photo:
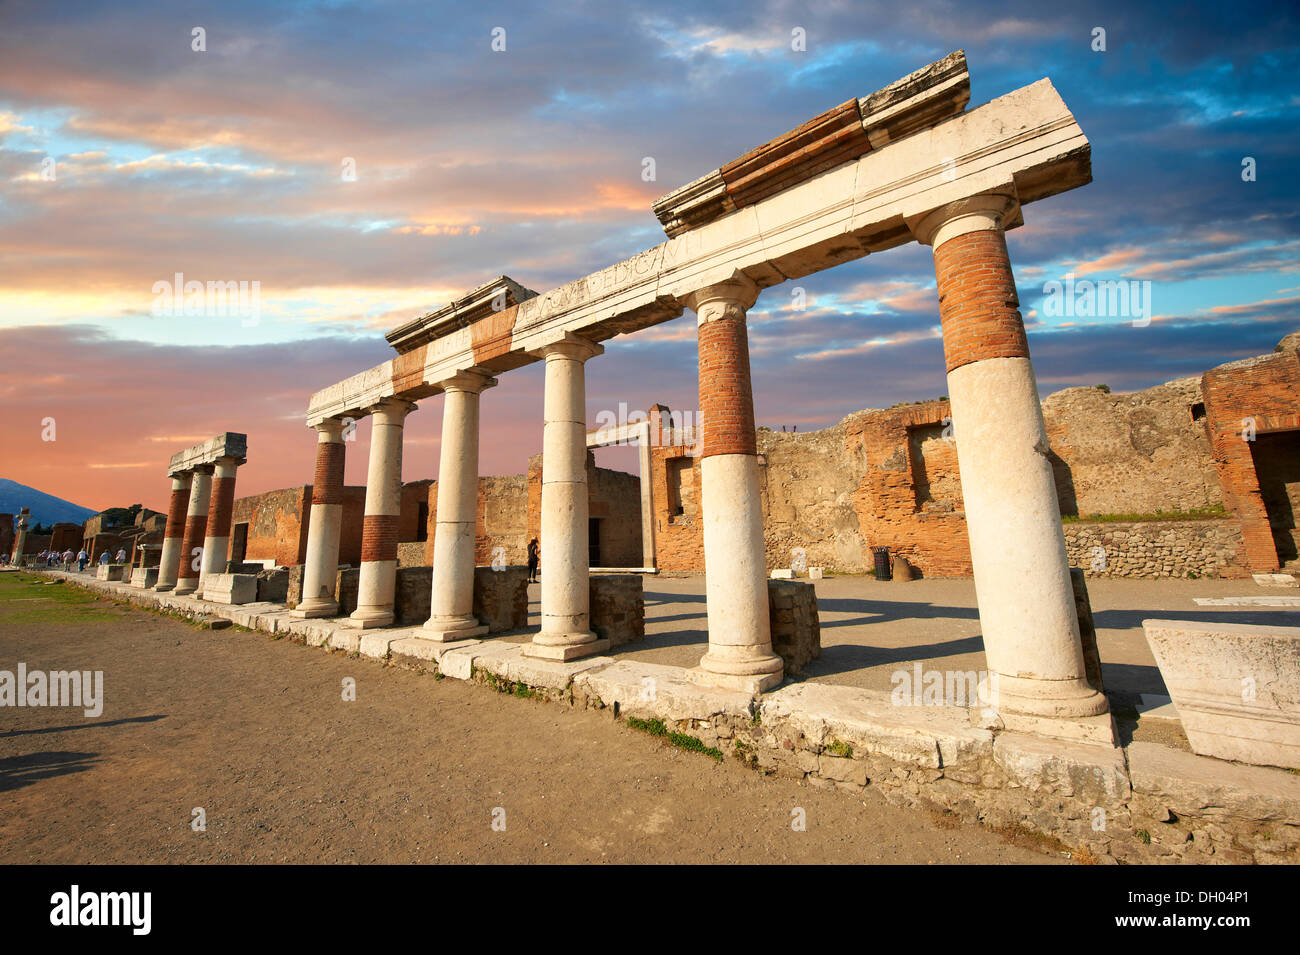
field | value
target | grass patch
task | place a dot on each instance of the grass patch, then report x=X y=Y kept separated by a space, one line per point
x=31 y=598
x=1217 y=512
x=837 y=747
x=656 y=727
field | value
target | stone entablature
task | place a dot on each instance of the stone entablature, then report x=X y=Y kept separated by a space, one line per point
x=923 y=98
x=227 y=445
x=1025 y=145
x=494 y=296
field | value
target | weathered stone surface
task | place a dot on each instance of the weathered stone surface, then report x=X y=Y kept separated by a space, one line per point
x=412 y=595
x=346 y=586
x=230 y=588
x=796 y=628
x=1236 y=687
x=111 y=571
x=1087 y=628
x=273 y=585
x=1084 y=770
x=293 y=590
x=617 y=608
x=501 y=598
x=649 y=690
x=226 y=445
x=1191 y=785
x=144 y=576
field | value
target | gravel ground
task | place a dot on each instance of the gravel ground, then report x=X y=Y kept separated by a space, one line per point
x=256 y=733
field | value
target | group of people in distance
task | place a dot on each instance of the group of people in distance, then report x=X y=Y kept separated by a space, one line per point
x=53 y=558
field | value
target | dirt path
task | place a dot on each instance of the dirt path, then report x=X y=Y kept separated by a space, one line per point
x=255 y=731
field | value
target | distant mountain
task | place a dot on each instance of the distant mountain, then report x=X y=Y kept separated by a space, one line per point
x=46 y=508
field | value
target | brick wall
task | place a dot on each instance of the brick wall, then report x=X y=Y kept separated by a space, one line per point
x=612 y=496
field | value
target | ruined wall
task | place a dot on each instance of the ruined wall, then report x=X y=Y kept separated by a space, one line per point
x=1157 y=549
x=1245 y=400
x=1131 y=454
x=277 y=528
x=614 y=497
x=679 y=536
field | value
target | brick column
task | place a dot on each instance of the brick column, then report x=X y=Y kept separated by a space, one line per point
x=216 y=545
x=378 y=582
x=451 y=603
x=196 y=526
x=320 y=571
x=1022 y=577
x=170 y=562
x=566 y=574
x=735 y=559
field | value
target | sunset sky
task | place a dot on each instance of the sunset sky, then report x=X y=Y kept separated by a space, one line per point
x=127 y=156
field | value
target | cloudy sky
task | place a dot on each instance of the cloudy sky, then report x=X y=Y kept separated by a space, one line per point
x=366 y=162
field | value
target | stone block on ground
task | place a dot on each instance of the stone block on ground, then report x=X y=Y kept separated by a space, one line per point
x=1191 y=785
x=293 y=594
x=617 y=608
x=144 y=577
x=345 y=589
x=273 y=585
x=1236 y=687
x=413 y=595
x=796 y=628
x=501 y=598
x=230 y=588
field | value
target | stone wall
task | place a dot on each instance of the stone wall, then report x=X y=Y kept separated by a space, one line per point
x=617 y=608
x=501 y=598
x=796 y=629
x=276 y=529
x=614 y=498
x=1157 y=549
x=413 y=595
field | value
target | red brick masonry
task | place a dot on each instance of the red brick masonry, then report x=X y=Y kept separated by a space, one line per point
x=726 y=398
x=977 y=300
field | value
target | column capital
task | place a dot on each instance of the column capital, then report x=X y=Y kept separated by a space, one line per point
x=330 y=429
x=571 y=346
x=471 y=381
x=391 y=407
x=203 y=469
x=988 y=211
x=730 y=298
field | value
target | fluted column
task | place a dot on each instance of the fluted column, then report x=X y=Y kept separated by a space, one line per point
x=735 y=559
x=452 y=600
x=378 y=581
x=1022 y=577
x=196 y=526
x=566 y=599
x=173 y=534
x=321 y=567
x=221 y=506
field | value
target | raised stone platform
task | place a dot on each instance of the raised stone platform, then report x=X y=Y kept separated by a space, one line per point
x=230 y=588
x=1143 y=803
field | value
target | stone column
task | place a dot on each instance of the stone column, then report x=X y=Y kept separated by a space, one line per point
x=735 y=559
x=451 y=603
x=20 y=537
x=196 y=526
x=170 y=562
x=1022 y=576
x=378 y=581
x=320 y=572
x=566 y=600
x=216 y=545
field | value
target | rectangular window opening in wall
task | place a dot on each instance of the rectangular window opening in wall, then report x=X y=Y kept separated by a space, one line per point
x=1198 y=411
x=422 y=522
x=239 y=542
x=933 y=462
x=675 y=466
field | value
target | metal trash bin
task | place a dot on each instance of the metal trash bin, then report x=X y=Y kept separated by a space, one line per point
x=881 y=557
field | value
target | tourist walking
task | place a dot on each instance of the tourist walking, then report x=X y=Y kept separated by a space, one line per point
x=82 y=557
x=67 y=559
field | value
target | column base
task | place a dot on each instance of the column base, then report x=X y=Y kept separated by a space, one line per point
x=366 y=618
x=162 y=588
x=315 y=608
x=182 y=590
x=450 y=629
x=574 y=646
x=1050 y=699
x=751 y=683
x=1078 y=729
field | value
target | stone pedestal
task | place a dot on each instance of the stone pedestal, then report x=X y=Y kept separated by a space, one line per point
x=144 y=577
x=230 y=588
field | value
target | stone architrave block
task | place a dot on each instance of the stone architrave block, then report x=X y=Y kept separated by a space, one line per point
x=1236 y=687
